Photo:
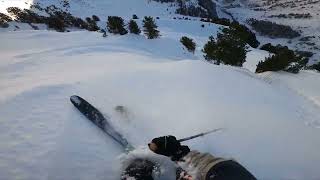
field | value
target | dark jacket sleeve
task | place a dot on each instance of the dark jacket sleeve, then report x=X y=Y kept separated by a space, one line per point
x=204 y=166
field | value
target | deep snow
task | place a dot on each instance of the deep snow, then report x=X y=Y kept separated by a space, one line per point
x=43 y=136
x=271 y=120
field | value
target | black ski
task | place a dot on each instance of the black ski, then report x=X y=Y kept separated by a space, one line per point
x=140 y=169
x=96 y=117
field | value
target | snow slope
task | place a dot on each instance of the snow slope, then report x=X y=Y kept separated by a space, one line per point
x=43 y=136
x=271 y=120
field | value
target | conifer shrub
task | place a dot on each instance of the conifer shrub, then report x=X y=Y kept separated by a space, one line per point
x=135 y=16
x=150 y=28
x=115 y=25
x=283 y=58
x=88 y=19
x=227 y=48
x=92 y=24
x=217 y=20
x=14 y=11
x=274 y=62
x=315 y=66
x=188 y=43
x=56 y=23
x=57 y=18
x=95 y=18
x=133 y=27
x=244 y=33
x=272 y=29
x=26 y=15
x=4 y=19
x=273 y=49
x=80 y=23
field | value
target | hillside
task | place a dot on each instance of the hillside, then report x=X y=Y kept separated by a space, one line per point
x=271 y=120
x=303 y=16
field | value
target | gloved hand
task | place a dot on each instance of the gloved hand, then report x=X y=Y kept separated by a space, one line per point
x=169 y=146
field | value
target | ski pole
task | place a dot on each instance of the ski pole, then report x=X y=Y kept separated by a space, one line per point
x=199 y=135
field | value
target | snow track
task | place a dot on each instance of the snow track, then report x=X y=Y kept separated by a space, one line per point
x=303 y=86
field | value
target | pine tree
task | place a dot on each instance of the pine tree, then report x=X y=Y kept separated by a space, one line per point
x=316 y=66
x=133 y=27
x=92 y=25
x=95 y=18
x=135 y=16
x=115 y=25
x=4 y=19
x=282 y=59
x=228 y=48
x=244 y=33
x=210 y=51
x=150 y=28
x=188 y=43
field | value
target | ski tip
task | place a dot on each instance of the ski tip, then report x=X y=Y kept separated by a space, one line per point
x=75 y=100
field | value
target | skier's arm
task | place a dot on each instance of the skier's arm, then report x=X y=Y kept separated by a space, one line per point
x=193 y=163
x=201 y=166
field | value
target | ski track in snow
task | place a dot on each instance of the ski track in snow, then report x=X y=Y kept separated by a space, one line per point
x=306 y=89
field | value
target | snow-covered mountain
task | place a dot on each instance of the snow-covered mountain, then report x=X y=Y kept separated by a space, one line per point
x=302 y=15
x=271 y=120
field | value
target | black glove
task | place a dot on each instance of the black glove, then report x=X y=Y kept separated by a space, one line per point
x=171 y=147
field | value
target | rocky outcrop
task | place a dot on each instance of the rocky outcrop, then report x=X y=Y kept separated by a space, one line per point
x=203 y=9
x=210 y=6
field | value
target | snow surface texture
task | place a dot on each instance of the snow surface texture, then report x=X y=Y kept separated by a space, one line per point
x=272 y=120
x=43 y=135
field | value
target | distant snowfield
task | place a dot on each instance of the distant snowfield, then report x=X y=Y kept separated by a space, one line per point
x=271 y=129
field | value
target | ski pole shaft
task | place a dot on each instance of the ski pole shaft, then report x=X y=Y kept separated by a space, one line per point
x=199 y=135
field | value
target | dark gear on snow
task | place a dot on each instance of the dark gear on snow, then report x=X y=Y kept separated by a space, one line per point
x=229 y=170
x=139 y=169
x=171 y=147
